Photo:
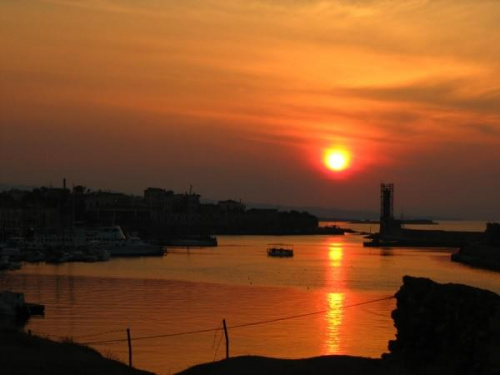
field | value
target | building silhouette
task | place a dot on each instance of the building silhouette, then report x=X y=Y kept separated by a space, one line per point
x=158 y=214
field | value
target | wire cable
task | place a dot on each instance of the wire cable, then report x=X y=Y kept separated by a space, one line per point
x=236 y=326
x=215 y=335
x=99 y=333
x=218 y=345
x=306 y=314
x=152 y=337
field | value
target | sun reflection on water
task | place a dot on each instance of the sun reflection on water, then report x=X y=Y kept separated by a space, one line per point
x=335 y=254
x=334 y=300
x=333 y=322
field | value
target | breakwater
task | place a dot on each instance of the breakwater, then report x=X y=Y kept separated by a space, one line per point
x=484 y=253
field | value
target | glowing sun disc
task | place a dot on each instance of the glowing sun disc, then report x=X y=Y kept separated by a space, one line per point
x=337 y=160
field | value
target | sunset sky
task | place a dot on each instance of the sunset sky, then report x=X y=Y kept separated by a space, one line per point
x=244 y=98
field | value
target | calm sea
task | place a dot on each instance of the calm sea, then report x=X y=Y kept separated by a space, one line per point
x=320 y=289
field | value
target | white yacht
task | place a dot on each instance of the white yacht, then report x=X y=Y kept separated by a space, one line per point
x=111 y=239
x=133 y=246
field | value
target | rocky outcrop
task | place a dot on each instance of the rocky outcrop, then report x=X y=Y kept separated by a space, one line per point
x=446 y=329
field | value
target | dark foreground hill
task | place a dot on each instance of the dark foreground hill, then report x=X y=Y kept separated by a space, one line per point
x=23 y=354
x=325 y=365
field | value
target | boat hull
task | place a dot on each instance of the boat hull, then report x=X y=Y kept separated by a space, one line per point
x=280 y=253
x=134 y=251
x=193 y=242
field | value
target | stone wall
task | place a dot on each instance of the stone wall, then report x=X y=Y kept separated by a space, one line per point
x=446 y=329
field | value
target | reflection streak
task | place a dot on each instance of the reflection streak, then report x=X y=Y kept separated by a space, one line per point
x=334 y=300
x=334 y=322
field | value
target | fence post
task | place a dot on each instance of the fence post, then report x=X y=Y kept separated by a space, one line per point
x=227 y=338
x=129 y=348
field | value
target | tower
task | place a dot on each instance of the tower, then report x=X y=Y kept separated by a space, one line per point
x=386 y=201
x=388 y=225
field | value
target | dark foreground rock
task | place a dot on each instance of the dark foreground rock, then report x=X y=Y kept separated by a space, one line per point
x=446 y=329
x=22 y=354
x=326 y=365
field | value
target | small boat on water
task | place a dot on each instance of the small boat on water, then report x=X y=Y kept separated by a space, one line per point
x=280 y=250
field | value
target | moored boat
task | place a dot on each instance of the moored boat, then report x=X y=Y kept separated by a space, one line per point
x=193 y=241
x=134 y=246
x=89 y=244
x=4 y=262
x=11 y=249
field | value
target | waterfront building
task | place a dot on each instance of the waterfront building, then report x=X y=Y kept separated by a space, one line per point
x=158 y=214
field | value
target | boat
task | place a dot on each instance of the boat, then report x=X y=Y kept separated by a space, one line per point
x=10 y=255
x=57 y=257
x=90 y=244
x=11 y=249
x=34 y=257
x=14 y=265
x=74 y=238
x=4 y=263
x=193 y=241
x=280 y=250
x=133 y=246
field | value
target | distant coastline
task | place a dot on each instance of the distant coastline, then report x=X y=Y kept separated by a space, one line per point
x=371 y=221
x=407 y=221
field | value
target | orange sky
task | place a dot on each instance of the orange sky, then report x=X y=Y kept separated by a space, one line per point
x=242 y=98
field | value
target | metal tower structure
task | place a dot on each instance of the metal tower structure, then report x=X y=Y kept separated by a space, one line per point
x=386 y=201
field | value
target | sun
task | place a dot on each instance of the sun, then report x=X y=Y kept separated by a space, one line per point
x=337 y=160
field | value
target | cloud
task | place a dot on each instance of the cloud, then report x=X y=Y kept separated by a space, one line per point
x=440 y=94
x=397 y=81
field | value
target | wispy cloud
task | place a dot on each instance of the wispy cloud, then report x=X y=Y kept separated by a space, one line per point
x=441 y=94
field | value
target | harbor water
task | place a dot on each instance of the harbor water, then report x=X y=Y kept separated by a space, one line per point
x=312 y=304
